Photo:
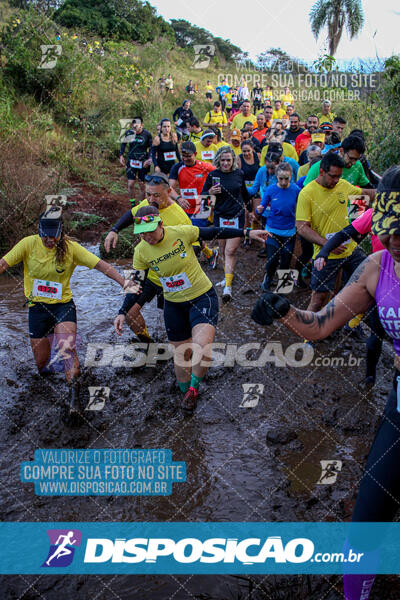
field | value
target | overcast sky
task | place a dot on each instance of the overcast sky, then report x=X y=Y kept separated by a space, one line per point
x=255 y=25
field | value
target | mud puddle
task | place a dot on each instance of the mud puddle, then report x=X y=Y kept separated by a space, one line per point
x=259 y=461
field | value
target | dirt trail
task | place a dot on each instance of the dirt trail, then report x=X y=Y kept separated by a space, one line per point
x=243 y=464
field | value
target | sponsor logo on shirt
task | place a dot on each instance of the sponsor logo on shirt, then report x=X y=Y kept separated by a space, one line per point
x=179 y=249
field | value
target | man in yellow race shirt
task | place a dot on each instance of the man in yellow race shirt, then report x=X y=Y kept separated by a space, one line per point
x=321 y=212
x=190 y=301
x=278 y=112
x=206 y=149
x=157 y=193
x=267 y=95
x=216 y=116
x=236 y=138
x=245 y=115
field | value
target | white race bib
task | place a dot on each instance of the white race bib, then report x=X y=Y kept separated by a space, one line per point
x=189 y=193
x=175 y=283
x=249 y=184
x=330 y=235
x=169 y=155
x=207 y=154
x=179 y=122
x=230 y=223
x=47 y=289
x=136 y=164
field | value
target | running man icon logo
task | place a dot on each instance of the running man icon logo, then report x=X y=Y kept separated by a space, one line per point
x=329 y=471
x=203 y=54
x=251 y=395
x=50 y=55
x=286 y=280
x=125 y=125
x=98 y=397
x=62 y=547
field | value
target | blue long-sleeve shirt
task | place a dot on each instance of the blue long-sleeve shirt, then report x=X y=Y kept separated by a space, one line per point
x=263 y=180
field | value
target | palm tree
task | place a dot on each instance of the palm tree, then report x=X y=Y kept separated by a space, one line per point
x=335 y=14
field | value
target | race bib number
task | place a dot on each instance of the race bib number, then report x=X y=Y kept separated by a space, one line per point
x=189 y=193
x=249 y=184
x=207 y=154
x=175 y=283
x=229 y=223
x=330 y=235
x=47 y=289
x=169 y=155
x=136 y=164
x=179 y=122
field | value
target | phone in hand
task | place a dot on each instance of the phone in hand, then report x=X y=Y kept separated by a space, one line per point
x=216 y=181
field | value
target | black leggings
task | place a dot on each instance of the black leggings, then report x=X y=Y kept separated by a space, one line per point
x=379 y=494
x=307 y=249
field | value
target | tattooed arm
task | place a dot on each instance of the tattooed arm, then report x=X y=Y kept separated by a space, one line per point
x=353 y=299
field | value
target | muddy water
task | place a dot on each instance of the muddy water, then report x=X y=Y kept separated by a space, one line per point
x=243 y=464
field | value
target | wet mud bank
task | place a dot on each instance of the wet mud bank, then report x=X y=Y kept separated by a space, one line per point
x=248 y=458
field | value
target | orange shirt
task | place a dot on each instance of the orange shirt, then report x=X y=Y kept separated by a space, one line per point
x=302 y=142
x=259 y=134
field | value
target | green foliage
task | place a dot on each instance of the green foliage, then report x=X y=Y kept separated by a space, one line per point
x=187 y=35
x=122 y=20
x=275 y=59
x=326 y=63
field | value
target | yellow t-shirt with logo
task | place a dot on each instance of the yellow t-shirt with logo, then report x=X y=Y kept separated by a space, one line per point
x=209 y=88
x=228 y=100
x=288 y=151
x=174 y=261
x=326 y=118
x=239 y=120
x=267 y=96
x=195 y=136
x=203 y=153
x=40 y=264
x=326 y=211
x=213 y=117
x=171 y=215
x=278 y=114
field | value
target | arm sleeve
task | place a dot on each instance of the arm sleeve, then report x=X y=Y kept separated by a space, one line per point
x=256 y=185
x=207 y=184
x=149 y=141
x=363 y=180
x=123 y=222
x=173 y=174
x=130 y=300
x=175 y=116
x=221 y=233
x=338 y=239
x=178 y=155
x=122 y=149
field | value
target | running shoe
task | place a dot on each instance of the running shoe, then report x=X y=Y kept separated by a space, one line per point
x=213 y=260
x=189 y=400
x=144 y=338
x=227 y=294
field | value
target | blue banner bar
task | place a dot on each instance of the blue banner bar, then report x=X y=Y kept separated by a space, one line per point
x=199 y=548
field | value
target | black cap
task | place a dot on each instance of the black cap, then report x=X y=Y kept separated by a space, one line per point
x=188 y=147
x=50 y=226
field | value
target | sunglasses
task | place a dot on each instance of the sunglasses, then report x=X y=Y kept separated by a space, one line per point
x=155 y=178
x=284 y=178
x=145 y=219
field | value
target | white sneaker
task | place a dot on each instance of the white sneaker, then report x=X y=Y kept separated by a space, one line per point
x=220 y=283
x=227 y=294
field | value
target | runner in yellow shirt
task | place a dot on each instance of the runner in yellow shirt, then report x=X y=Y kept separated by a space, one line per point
x=190 y=301
x=287 y=98
x=245 y=115
x=206 y=149
x=50 y=259
x=216 y=116
x=209 y=91
x=278 y=112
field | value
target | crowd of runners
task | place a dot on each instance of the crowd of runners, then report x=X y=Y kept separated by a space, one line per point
x=249 y=171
